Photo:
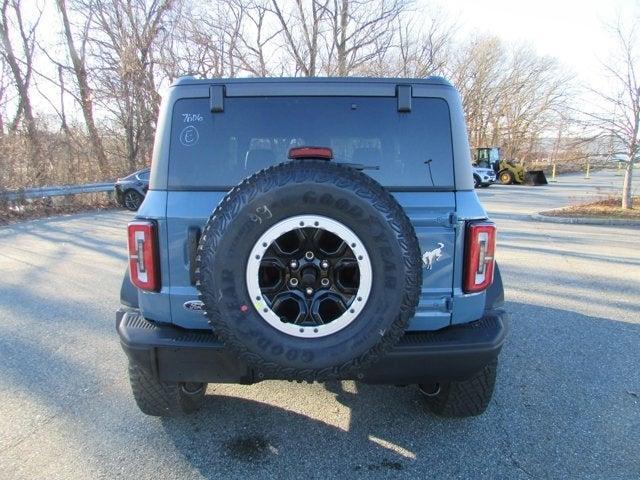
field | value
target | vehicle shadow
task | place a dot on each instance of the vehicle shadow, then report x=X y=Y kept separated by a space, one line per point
x=235 y=437
x=566 y=402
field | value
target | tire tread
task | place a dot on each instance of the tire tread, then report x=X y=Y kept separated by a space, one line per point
x=465 y=398
x=161 y=399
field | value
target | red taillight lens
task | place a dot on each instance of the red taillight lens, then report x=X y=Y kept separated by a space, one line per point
x=479 y=256
x=323 y=153
x=143 y=255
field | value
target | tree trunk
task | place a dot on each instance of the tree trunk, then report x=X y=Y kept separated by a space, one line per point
x=627 y=198
x=22 y=86
x=342 y=41
x=85 y=92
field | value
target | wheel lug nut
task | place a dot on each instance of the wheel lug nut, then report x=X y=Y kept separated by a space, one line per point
x=324 y=282
x=324 y=264
x=309 y=255
x=293 y=282
x=309 y=291
x=293 y=264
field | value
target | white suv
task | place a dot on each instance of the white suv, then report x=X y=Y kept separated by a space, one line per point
x=483 y=177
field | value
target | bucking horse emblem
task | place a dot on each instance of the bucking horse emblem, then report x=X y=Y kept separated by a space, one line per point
x=431 y=257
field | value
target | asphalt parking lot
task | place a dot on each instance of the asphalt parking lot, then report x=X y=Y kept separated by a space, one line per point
x=567 y=403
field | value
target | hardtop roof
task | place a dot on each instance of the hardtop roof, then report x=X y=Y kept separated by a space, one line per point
x=431 y=80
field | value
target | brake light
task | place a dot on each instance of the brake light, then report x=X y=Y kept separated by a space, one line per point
x=479 y=256
x=323 y=153
x=143 y=255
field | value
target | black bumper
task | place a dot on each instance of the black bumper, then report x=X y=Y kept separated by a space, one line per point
x=175 y=354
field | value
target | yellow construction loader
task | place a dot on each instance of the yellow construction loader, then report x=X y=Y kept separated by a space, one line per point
x=508 y=172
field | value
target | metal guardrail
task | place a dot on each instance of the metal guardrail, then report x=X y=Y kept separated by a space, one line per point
x=56 y=191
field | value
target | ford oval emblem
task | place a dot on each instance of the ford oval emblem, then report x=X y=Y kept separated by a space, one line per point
x=194 y=305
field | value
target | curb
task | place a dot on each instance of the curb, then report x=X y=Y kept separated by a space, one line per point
x=585 y=221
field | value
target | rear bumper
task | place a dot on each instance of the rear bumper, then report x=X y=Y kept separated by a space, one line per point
x=175 y=354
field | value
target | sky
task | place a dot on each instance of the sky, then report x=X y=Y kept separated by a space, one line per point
x=574 y=31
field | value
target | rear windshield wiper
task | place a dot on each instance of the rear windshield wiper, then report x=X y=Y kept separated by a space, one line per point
x=359 y=166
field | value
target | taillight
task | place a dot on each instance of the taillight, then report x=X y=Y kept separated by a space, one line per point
x=143 y=255
x=479 y=256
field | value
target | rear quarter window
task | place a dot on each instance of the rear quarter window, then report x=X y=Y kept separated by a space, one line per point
x=217 y=150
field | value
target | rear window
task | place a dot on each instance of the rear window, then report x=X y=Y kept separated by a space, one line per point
x=217 y=150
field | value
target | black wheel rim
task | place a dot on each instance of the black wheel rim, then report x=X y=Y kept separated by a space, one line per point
x=132 y=200
x=309 y=277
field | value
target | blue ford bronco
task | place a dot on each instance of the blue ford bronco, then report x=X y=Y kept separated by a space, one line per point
x=312 y=230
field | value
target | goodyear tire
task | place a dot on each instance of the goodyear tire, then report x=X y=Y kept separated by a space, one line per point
x=164 y=399
x=309 y=270
x=466 y=398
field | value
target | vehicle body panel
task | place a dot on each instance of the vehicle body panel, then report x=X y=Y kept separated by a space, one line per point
x=157 y=305
x=429 y=213
x=438 y=216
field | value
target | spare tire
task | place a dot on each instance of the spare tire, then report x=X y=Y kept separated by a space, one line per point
x=309 y=270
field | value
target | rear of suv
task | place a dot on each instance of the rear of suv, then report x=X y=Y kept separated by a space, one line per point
x=312 y=230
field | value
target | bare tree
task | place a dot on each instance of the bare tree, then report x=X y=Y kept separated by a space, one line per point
x=337 y=37
x=360 y=30
x=533 y=97
x=4 y=92
x=254 y=48
x=78 y=61
x=301 y=28
x=124 y=37
x=511 y=96
x=416 y=49
x=226 y=39
x=21 y=66
x=476 y=71
x=619 y=116
x=425 y=49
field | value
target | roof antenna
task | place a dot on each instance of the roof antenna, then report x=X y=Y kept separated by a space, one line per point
x=428 y=163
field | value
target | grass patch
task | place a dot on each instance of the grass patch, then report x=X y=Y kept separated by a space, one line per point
x=603 y=208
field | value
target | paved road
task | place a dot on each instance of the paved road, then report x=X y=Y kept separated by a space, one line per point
x=513 y=200
x=567 y=404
